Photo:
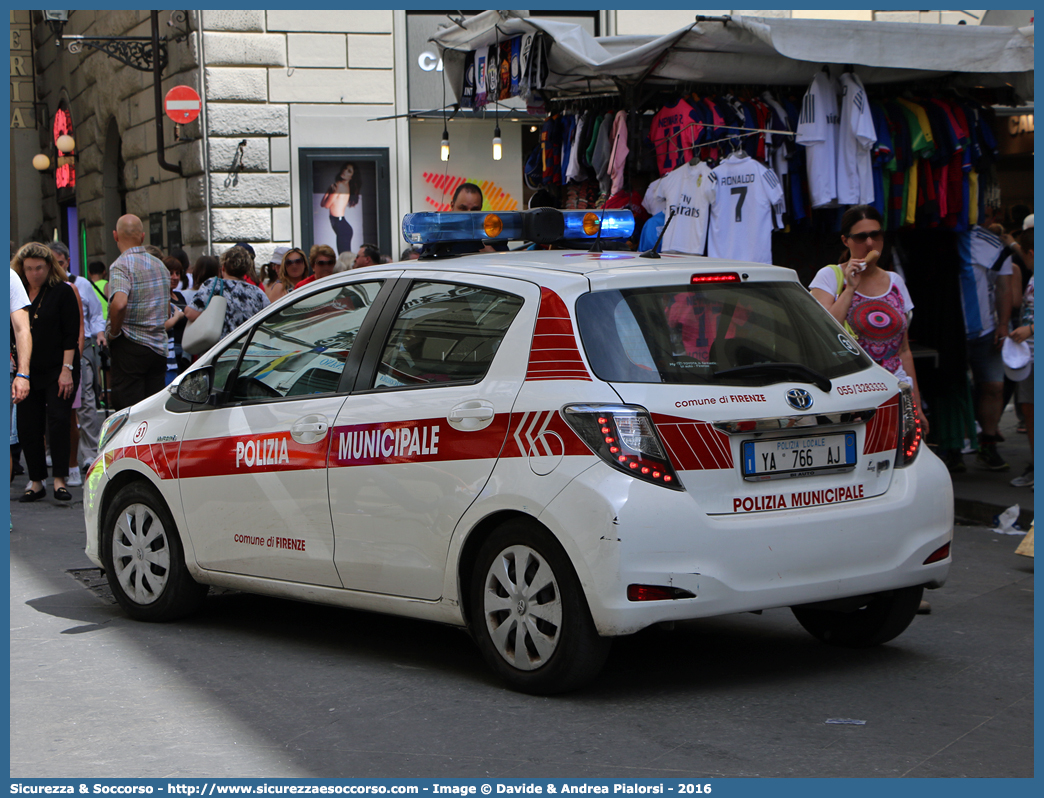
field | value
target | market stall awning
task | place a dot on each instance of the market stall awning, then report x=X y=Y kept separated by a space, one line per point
x=758 y=50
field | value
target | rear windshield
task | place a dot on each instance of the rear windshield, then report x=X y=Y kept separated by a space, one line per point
x=690 y=334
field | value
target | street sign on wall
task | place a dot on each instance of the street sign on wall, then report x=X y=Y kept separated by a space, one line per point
x=182 y=104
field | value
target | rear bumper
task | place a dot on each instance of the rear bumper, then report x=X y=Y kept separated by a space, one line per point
x=739 y=563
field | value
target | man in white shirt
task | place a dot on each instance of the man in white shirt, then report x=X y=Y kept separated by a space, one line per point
x=985 y=279
x=23 y=340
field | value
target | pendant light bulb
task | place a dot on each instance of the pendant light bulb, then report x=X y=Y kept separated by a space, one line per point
x=444 y=152
x=498 y=149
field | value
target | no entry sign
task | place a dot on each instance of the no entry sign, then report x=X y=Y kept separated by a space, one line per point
x=182 y=104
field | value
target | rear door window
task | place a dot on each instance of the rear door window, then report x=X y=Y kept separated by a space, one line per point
x=690 y=334
x=445 y=333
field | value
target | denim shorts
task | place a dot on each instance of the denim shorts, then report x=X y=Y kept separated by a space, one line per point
x=986 y=362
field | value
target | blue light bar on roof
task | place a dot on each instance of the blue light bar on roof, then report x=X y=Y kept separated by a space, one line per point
x=584 y=224
x=454 y=226
x=435 y=228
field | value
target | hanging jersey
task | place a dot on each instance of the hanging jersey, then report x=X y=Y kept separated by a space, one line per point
x=818 y=131
x=684 y=192
x=779 y=145
x=652 y=203
x=746 y=205
x=618 y=155
x=855 y=181
x=675 y=129
x=981 y=266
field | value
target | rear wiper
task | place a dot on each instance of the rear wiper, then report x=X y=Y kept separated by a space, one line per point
x=800 y=372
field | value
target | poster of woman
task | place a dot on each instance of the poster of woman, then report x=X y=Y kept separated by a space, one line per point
x=344 y=203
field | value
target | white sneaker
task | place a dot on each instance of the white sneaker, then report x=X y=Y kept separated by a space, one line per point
x=1024 y=481
x=74 y=479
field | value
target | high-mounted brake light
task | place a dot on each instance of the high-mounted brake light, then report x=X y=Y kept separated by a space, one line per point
x=716 y=277
x=909 y=428
x=625 y=437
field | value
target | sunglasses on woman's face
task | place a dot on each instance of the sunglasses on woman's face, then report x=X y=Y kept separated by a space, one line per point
x=325 y=262
x=862 y=237
x=295 y=262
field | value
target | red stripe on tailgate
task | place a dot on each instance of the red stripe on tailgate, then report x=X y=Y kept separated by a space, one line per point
x=882 y=431
x=554 y=354
x=694 y=445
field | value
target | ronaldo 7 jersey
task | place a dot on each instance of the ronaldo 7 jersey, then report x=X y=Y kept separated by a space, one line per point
x=747 y=203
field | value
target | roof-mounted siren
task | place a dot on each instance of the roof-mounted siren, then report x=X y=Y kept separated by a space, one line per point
x=459 y=232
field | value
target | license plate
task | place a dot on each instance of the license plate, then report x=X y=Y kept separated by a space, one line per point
x=808 y=455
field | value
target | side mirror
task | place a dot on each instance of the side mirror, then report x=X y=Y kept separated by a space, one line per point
x=194 y=388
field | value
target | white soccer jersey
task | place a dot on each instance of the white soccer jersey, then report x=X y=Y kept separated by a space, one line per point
x=651 y=202
x=855 y=179
x=817 y=130
x=684 y=192
x=747 y=203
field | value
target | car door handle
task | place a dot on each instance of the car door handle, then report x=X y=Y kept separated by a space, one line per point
x=318 y=426
x=478 y=413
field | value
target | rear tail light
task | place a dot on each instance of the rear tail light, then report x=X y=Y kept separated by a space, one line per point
x=938 y=555
x=909 y=428
x=625 y=437
x=657 y=593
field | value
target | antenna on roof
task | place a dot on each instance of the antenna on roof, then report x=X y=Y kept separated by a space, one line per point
x=652 y=253
x=597 y=245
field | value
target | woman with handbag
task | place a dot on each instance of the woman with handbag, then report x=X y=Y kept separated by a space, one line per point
x=54 y=368
x=242 y=300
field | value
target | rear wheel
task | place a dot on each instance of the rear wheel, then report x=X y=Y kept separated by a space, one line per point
x=883 y=617
x=528 y=613
x=143 y=557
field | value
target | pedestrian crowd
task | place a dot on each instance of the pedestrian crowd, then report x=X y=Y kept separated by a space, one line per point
x=82 y=346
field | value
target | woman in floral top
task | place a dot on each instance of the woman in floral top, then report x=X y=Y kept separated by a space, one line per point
x=244 y=299
x=874 y=302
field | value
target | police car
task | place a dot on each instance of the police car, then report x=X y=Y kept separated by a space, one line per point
x=550 y=447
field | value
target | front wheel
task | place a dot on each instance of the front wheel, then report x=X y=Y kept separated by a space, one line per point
x=143 y=557
x=883 y=617
x=529 y=615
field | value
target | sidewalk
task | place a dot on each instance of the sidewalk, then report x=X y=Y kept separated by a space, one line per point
x=980 y=495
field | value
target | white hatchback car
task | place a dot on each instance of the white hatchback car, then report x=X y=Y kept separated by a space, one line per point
x=552 y=448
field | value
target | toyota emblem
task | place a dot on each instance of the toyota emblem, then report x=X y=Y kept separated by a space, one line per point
x=799 y=399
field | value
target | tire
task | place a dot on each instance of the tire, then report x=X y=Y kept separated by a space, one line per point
x=535 y=631
x=883 y=617
x=143 y=557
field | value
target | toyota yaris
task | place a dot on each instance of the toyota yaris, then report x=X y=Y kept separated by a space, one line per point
x=550 y=447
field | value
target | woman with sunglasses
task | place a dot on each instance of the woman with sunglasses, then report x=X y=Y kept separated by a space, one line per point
x=322 y=259
x=874 y=302
x=292 y=270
